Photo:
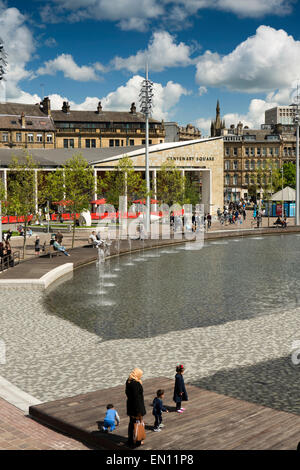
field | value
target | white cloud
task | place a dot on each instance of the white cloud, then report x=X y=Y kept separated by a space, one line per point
x=264 y=62
x=162 y=52
x=164 y=101
x=66 y=64
x=136 y=14
x=202 y=90
x=19 y=45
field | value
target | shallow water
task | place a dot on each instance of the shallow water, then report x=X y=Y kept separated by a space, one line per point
x=181 y=288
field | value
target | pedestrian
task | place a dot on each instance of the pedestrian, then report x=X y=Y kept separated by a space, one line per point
x=158 y=408
x=59 y=237
x=37 y=247
x=135 y=403
x=111 y=417
x=179 y=389
x=208 y=220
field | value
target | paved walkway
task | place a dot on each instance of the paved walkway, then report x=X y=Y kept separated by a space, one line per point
x=18 y=432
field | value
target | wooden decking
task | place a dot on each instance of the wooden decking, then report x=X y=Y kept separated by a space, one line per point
x=211 y=421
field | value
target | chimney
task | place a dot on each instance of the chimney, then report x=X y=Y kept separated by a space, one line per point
x=99 y=108
x=66 y=107
x=133 y=108
x=23 y=122
x=45 y=106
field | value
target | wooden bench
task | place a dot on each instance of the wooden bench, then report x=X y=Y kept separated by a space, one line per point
x=50 y=250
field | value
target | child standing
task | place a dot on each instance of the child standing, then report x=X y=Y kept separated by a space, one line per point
x=158 y=408
x=179 y=389
x=110 y=418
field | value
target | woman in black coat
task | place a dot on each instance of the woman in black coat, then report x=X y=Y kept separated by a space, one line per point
x=179 y=389
x=135 y=401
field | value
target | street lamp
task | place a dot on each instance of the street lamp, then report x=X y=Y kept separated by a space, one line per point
x=146 y=95
x=296 y=121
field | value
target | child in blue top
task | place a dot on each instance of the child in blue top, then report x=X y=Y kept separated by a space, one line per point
x=110 y=418
x=158 y=408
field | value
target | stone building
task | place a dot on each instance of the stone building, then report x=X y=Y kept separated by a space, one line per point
x=248 y=150
x=176 y=133
x=200 y=160
x=37 y=126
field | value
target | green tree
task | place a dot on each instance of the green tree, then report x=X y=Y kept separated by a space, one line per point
x=170 y=184
x=74 y=183
x=289 y=174
x=21 y=197
x=121 y=181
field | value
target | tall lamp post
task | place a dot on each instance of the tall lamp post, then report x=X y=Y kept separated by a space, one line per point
x=146 y=95
x=296 y=120
x=3 y=65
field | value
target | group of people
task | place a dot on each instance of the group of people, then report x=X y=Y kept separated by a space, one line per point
x=136 y=406
x=234 y=213
x=6 y=253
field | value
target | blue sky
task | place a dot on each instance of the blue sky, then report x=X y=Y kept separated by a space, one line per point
x=245 y=53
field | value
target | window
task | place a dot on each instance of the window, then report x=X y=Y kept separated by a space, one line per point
x=131 y=142
x=117 y=143
x=235 y=180
x=227 y=151
x=247 y=151
x=265 y=151
x=227 y=165
x=235 y=165
x=276 y=151
x=247 y=165
x=66 y=143
x=30 y=137
x=227 y=180
x=258 y=151
x=93 y=143
x=258 y=163
x=252 y=151
x=252 y=165
x=235 y=151
x=71 y=142
x=87 y=143
x=39 y=138
x=271 y=151
x=111 y=142
x=18 y=137
x=5 y=136
x=49 y=138
x=246 y=179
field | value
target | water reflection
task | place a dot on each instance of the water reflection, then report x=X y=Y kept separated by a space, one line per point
x=180 y=289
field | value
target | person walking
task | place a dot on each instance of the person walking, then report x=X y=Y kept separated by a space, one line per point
x=135 y=403
x=179 y=389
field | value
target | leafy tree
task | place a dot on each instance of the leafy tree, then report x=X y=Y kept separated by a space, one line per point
x=21 y=198
x=121 y=181
x=289 y=174
x=170 y=184
x=73 y=183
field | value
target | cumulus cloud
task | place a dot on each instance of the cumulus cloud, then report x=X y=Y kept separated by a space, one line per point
x=136 y=14
x=264 y=62
x=162 y=52
x=130 y=14
x=19 y=45
x=65 y=63
x=164 y=101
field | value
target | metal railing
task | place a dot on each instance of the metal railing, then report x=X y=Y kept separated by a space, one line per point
x=9 y=261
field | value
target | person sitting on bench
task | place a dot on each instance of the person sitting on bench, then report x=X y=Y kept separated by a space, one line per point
x=278 y=221
x=95 y=240
x=59 y=247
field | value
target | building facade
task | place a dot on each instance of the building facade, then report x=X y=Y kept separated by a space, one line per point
x=201 y=160
x=176 y=133
x=248 y=152
x=37 y=126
